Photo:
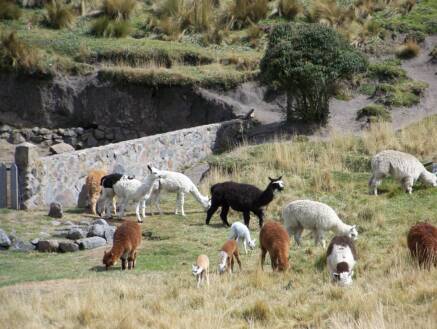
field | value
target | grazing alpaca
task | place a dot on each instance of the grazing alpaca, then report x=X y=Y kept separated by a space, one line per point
x=403 y=167
x=240 y=231
x=340 y=259
x=171 y=181
x=201 y=269
x=422 y=242
x=93 y=187
x=127 y=238
x=107 y=194
x=274 y=239
x=242 y=197
x=226 y=257
x=315 y=216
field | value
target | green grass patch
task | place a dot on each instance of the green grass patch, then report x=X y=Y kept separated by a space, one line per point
x=374 y=112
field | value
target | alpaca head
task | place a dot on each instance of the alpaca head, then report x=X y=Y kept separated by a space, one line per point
x=156 y=173
x=276 y=183
x=252 y=244
x=206 y=203
x=353 y=233
x=108 y=259
x=343 y=279
x=223 y=256
x=196 y=269
x=428 y=178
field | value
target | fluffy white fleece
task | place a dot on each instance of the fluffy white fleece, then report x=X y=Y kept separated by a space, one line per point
x=341 y=254
x=404 y=167
x=240 y=231
x=316 y=216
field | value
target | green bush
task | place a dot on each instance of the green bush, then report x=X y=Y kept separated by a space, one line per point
x=386 y=71
x=306 y=61
x=59 y=15
x=9 y=10
x=374 y=112
x=108 y=28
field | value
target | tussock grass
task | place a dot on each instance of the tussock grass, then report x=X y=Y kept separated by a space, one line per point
x=408 y=50
x=290 y=8
x=374 y=112
x=59 y=15
x=241 y=13
x=9 y=10
x=119 y=9
x=109 y=28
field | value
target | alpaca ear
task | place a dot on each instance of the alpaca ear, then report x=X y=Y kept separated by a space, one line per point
x=150 y=168
x=271 y=179
x=279 y=178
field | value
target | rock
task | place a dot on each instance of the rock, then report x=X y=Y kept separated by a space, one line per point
x=43 y=235
x=63 y=233
x=76 y=234
x=97 y=230
x=61 y=148
x=84 y=222
x=44 y=131
x=91 y=141
x=5 y=129
x=4 y=135
x=55 y=210
x=109 y=233
x=91 y=243
x=68 y=246
x=19 y=245
x=48 y=245
x=5 y=242
x=79 y=130
x=36 y=139
x=16 y=138
x=69 y=223
x=99 y=134
x=100 y=221
x=35 y=130
x=56 y=223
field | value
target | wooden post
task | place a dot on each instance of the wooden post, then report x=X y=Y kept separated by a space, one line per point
x=3 y=187
x=15 y=197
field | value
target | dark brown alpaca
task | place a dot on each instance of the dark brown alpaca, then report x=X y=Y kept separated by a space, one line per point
x=422 y=242
x=127 y=238
x=227 y=254
x=273 y=238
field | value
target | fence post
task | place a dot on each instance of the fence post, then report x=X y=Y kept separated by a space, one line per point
x=3 y=187
x=15 y=203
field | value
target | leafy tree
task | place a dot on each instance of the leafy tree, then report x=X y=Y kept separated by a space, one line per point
x=305 y=60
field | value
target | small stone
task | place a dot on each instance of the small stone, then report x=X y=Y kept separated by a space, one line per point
x=44 y=131
x=61 y=148
x=55 y=210
x=35 y=130
x=79 y=130
x=68 y=246
x=5 y=242
x=91 y=243
x=97 y=230
x=16 y=138
x=100 y=221
x=76 y=234
x=109 y=233
x=48 y=245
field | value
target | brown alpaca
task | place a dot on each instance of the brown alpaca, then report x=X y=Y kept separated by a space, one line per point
x=93 y=187
x=274 y=239
x=422 y=242
x=127 y=238
x=201 y=269
x=226 y=256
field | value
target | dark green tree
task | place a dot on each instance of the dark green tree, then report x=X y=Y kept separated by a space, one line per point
x=305 y=61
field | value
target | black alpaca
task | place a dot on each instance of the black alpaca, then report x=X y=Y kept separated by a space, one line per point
x=242 y=197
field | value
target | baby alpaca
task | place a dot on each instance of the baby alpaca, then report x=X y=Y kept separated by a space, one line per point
x=422 y=242
x=127 y=239
x=240 y=231
x=274 y=239
x=93 y=187
x=107 y=195
x=315 y=216
x=404 y=167
x=226 y=257
x=341 y=258
x=201 y=269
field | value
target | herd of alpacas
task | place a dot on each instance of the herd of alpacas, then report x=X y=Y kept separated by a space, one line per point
x=274 y=237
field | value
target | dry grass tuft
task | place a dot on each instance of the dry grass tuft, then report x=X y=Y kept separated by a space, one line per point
x=108 y=28
x=408 y=50
x=119 y=9
x=59 y=15
x=260 y=311
x=289 y=8
x=241 y=13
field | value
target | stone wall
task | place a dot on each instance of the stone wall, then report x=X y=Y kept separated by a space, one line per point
x=61 y=177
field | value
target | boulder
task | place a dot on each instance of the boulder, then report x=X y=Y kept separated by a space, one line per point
x=68 y=246
x=61 y=148
x=16 y=138
x=47 y=245
x=5 y=242
x=62 y=233
x=109 y=233
x=19 y=245
x=91 y=243
x=100 y=221
x=97 y=230
x=76 y=234
x=55 y=210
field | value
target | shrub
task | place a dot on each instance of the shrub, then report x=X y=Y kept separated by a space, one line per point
x=59 y=15
x=408 y=50
x=241 y=13
x=289 y=8
x=119 y=9
x=306 y=61
x=9 y=10
x=374 y=112
x=108 y=28
x=386 y=71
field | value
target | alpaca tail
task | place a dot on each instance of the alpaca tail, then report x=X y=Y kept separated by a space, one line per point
x=203 y=200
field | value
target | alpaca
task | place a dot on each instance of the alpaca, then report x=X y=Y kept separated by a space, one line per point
x=316 y=216
x=245 y=198
x=403 y=167
x=107 y=194
x=127 y=239
x=274 y=239
x=171 y=181
x=94 y=188
x=201 y=269
x=340 y=259
x=240 y=231
x=422 y=242
x=226 y=257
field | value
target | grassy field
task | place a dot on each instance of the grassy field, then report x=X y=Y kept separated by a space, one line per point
x=389 y=290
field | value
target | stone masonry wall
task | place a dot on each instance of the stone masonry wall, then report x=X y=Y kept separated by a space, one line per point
x=61 y=177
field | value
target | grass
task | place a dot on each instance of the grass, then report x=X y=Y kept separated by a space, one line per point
x=408 y=50
x=109 y=28
x=59 y=15
x=374 y=112
x=389 y=289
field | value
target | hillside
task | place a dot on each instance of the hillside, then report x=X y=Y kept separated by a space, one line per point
x=389 y=290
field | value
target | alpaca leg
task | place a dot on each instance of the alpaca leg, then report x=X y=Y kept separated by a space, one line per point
x=93 y=203
x=263 y=257
x=176 y=212
x=319 y=235
x=210 y=212
x=232 y=265
x=260 y=214
x=298 y=235
x=224 y=214
x=198 y=279
x=123 y=263
x=182 y=201
x=207 y=277
x=143 y=208
x=134 y=259
x=237 y=256
x=273 y=261
x=407 y=184
x=246 y=216
x=137 y=212
x=374 y=182
x=158 y=203
x=122 y=208
x=245 y=247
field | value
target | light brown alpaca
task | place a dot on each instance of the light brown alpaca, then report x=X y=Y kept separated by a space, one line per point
x=422 y=242
x=274 y=239
x=201 y=269
x=227 y=254
x=93 y=187
x=127 y=238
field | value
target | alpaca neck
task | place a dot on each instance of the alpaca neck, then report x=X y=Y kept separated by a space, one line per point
x=341 y=228
x=117 y=250
x=266 y=197
x=147 y=186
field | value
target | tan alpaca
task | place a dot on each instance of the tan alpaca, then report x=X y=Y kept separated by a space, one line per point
x=274 y=239
x=93 y=187
x=201 y=269
x=227 y=254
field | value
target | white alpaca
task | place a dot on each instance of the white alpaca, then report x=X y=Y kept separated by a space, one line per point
x=131 y=189
x=240 y=231
x=171 y=181
x=201 y=269
x=316 y=216
x=404 y=167
x=340 y=259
